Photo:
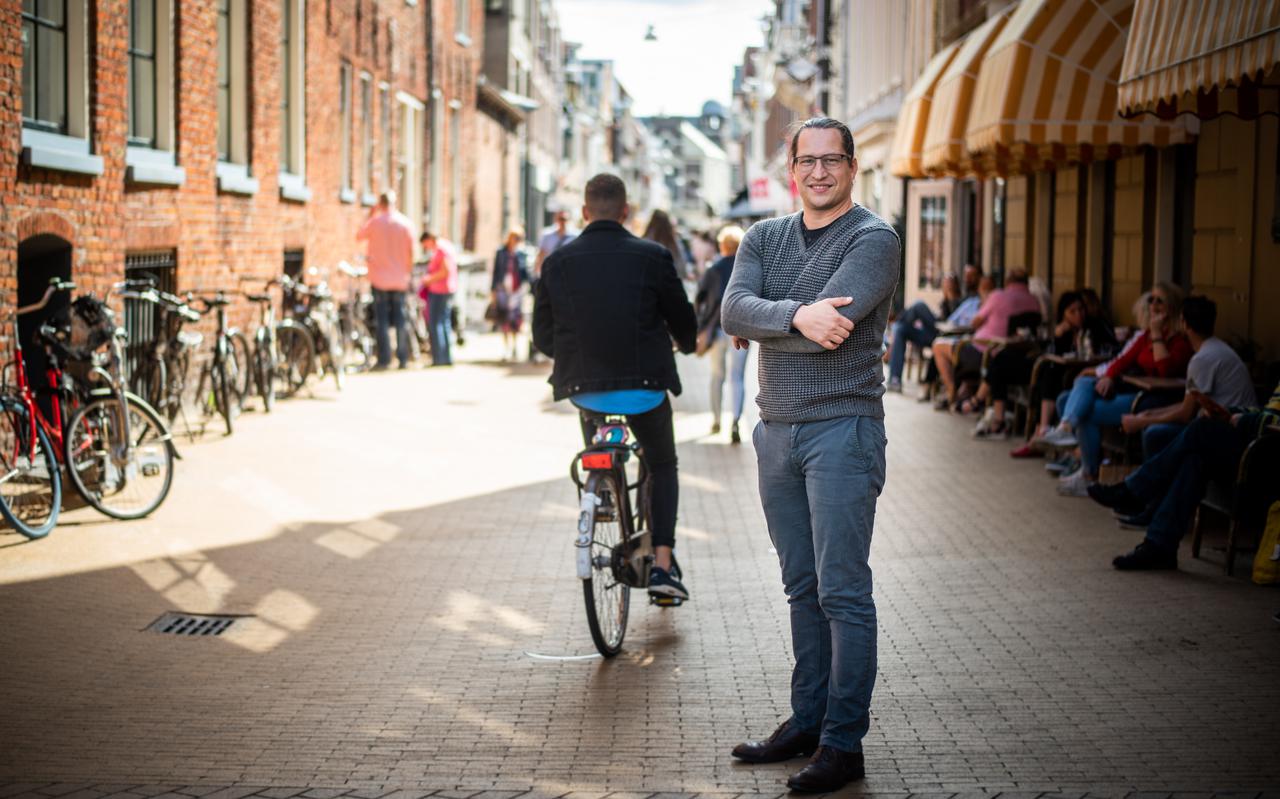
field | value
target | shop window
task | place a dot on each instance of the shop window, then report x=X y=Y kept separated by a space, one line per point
x=933 y=242
x=55 y=87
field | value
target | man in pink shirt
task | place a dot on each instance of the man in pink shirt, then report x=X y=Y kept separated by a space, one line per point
x=991 y=322
x=441 y=281
x=390 y=261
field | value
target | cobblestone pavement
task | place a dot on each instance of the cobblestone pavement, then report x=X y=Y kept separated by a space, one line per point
x=405 y=548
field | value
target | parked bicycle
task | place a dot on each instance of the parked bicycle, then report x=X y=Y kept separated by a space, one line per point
x=216 y=391
x=314 y=308
x=161 y=366
x=614 y=543
x=359 y=350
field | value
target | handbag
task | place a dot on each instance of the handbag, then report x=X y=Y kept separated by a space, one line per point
x=491 y=311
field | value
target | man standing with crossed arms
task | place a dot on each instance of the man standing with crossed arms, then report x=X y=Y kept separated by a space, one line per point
x=814 y=289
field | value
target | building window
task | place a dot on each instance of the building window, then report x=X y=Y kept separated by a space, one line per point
x=462 y=21
x=366 y=138
x=346 y=193
x=385 y=124
x=141 y=318
x=142 y=72
x=150 y=156
x=224 y=80
x=55 y=86
x=44 y=65
x=293 y=92
x=233 y=106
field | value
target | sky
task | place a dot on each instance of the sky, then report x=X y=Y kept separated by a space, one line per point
x=699 y=43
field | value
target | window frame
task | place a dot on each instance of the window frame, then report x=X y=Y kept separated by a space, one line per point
x=346 y=191
x=68 y=148
x=233 y=166
x=462 y=22
x=368 y=153
x=157 y=163
x=292 y=176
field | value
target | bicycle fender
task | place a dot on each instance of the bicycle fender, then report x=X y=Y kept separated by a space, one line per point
x=586 y=520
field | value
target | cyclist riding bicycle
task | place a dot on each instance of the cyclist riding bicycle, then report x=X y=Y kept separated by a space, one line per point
x=606 y=310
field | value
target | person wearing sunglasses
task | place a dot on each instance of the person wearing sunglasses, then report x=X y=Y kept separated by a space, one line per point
x=1159 y=349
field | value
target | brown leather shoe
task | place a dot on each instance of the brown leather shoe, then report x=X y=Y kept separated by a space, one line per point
x=828 y=770
x=786 y=743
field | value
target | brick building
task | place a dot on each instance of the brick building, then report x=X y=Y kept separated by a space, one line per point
x=210 y=140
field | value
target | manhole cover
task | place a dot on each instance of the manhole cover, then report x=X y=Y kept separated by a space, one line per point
x=193 y=624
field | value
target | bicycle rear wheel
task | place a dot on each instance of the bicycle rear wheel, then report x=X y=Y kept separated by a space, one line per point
x=264 y=375
x=30 y=484
x=122 y=488
x=297 y=354
x=608 y=600
x=239 y=366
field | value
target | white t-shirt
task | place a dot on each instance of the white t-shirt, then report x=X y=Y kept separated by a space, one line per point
x=1218 y=373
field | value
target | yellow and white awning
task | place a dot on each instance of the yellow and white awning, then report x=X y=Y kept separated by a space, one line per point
x=908 y=138
x=1047 y=89
x=944 y=144
x=1178 y=53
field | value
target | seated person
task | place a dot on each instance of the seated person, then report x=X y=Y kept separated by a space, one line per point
x=918 y=325
x=1176 y=478
x=1094 y=402
x=991 y=322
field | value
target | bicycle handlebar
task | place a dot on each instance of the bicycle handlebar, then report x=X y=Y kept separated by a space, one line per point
x=55 y=285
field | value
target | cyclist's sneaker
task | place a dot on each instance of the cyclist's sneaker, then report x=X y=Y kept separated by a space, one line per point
x=664 y=584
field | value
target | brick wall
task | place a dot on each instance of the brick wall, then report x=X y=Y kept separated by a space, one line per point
x=219 y=236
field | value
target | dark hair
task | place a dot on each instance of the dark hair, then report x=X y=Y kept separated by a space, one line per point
x=822 y=123
x=1068 y=299
x=1016 y=275
x=1200 y=314
x=427 y=234
x=605 y=196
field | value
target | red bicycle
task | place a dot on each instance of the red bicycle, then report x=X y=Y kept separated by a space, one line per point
x=117 y=451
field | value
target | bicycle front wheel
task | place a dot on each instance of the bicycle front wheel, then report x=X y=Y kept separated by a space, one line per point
x=608 y=599
x=30 y=485
x=239 y=369
x=297 y=353
x=264 y=374
x=124 y=482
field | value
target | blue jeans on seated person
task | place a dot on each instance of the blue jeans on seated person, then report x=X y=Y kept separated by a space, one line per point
x=915 y=324
x=1158 y=436
x=1087 y=413
x=1176 y=478
x=819 y=482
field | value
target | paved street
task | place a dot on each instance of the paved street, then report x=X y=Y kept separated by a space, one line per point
x=404 y=549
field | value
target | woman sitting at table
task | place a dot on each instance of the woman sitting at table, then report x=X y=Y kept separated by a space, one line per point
x=1158 y=350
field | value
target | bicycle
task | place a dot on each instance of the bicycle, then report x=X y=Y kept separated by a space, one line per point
x=614 y=543
x=161 y=365
x=357 y=342
x=265 y=360
x=314 y=309
x=219 y=376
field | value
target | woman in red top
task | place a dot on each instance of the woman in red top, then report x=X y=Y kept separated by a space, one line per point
x=1158 y=350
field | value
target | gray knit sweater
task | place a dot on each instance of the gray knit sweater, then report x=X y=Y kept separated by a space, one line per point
x=774 y=274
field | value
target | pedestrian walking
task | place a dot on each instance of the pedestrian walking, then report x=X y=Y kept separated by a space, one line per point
x=814 y=289
x=711 y=339
x=507 y=290
x=441 y=282
x=552 y=239
x=606 y=309
x=661 y=230
x=389 y=256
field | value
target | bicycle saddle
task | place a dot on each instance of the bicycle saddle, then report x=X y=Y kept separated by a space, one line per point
x=258 y=297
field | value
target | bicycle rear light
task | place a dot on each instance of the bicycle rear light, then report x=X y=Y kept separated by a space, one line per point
x=597 y=460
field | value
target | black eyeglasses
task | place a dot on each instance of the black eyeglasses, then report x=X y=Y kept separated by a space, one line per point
x=806 y=163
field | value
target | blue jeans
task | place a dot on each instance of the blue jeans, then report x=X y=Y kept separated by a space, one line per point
x=1176 y=478
x=722 y=349
x=388 y=312
x=1088 y=414
x=819 y=482
x=915 y=324
x=1158 y=436
x=439 y=314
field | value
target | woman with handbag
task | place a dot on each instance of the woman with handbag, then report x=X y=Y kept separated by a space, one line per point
x=506 y=294
x=713 y=341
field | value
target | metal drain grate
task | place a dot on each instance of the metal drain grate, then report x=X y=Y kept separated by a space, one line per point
x=193 y=624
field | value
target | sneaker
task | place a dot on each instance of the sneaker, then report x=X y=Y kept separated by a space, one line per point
x=1064 y=465
x=1026 y=451
x=715 y=428
x=894 y=385
x=664 y=584
x=1074 y=484
x=1147 y=557
x=990 y=427
x=1059 y=437
x=1118 y=497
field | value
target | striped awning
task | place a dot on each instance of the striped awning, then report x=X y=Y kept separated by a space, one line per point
x=908 y=137
x=944 y=146
x=1047 y=89
x=1177 y=50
